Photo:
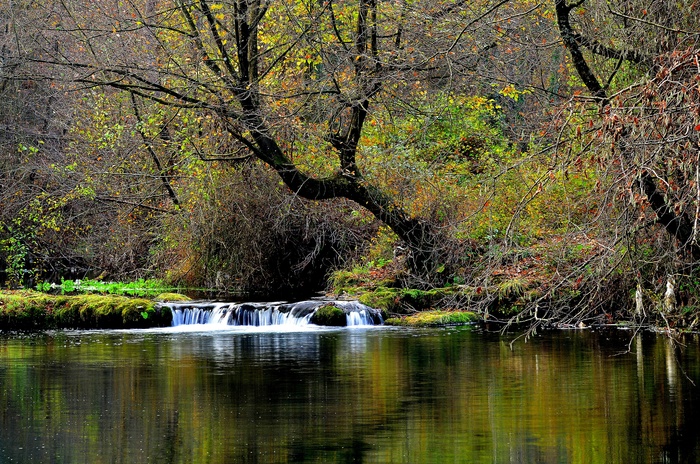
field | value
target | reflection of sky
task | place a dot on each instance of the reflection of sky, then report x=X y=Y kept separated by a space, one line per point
x=267 y=346
x=228 y=344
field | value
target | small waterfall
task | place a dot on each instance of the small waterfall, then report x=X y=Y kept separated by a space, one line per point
x=359 y=318
x=267 y=314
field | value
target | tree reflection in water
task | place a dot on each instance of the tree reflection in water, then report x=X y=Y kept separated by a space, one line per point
x=374 y=395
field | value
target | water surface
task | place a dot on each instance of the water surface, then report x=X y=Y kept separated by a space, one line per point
x=184 y=395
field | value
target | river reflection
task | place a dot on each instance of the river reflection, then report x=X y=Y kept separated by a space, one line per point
x=360 y=395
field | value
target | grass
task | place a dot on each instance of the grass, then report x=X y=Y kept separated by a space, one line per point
x=512 y=288
x=140 y=287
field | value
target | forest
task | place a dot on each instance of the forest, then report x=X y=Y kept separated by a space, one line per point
x=533 y=162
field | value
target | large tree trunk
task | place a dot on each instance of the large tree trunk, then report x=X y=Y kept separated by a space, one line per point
x=420 y=236
x=221 y=64
x=678 y=226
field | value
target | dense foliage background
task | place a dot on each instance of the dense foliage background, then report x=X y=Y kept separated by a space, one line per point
x=535 y=161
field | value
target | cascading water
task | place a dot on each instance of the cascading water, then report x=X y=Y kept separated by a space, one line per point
x=267 y=314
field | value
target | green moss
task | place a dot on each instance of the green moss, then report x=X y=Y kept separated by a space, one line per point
x=397 y=299
x=434 y=318
x=28 y=310
x=384 y=298
x=329 y=315
x=376 y=270
x=163 y=297
x=350 y=291
x=23 y=310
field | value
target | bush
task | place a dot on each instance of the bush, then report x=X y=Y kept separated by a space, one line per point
x=247 y=234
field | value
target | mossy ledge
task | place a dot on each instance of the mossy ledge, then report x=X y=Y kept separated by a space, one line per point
x=29 y=310
x=393 y=299
x=173 y=297
x=434 y=318
x=499 y=301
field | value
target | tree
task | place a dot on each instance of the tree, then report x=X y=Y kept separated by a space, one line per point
x=651 y=125
x=31 y=139
x=637 y=129
x=280 y=78
x=55 y=220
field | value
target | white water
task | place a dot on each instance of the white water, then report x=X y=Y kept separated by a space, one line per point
x=267 y=314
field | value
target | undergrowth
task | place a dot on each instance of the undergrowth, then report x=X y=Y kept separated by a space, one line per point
x=140 y=287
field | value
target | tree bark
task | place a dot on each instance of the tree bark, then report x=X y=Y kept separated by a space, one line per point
x=678 y=226
x=349 y=183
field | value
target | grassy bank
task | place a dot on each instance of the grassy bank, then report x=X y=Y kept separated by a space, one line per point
x=547 y=284
x=30 y=310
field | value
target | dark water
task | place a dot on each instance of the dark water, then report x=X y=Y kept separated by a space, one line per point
x=350 y=395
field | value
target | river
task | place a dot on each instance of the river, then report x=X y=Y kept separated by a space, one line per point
x=371 y=394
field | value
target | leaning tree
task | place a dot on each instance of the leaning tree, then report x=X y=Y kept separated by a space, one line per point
x=280 y=79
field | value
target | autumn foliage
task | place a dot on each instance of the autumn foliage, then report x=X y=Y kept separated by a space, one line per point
x=540 y=160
